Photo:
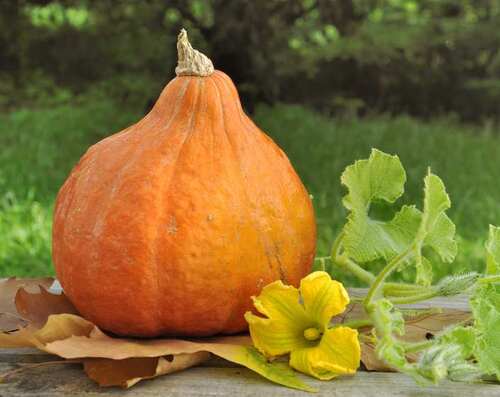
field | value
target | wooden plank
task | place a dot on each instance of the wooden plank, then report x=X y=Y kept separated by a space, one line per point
x=221 y=378
x=205 y=381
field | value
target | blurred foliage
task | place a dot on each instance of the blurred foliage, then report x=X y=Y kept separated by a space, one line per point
x=348 y=57
x=33 y=167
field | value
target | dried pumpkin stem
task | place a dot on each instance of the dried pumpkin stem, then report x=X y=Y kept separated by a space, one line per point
x=190 y=61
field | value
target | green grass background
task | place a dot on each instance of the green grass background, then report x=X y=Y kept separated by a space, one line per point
x=39 y=147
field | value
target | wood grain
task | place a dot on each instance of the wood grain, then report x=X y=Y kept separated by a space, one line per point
x=213 y=381
x=221 y=378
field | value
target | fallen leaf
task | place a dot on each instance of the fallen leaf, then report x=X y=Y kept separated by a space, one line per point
x=427 y=325
x=38 y=306
x=57 y=327
x=98 y=344
x=373 y=363
x=237 y=349
x=126 y=373
x=10 y=322
x=71 y=336
x=9 y=317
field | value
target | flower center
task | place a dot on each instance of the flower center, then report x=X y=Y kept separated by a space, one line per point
x=312 y=334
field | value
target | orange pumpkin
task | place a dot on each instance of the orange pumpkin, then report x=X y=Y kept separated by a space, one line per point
x=171 y=225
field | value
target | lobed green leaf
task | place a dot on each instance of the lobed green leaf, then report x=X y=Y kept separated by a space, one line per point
x=485 y=305
x=493 y=251
x=436 y=229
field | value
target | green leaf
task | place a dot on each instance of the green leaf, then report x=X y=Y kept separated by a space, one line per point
x=446 y=360
x=392 y=353
x=388 y=319
x=367 y=239
x=485 y=305
x=465 y=337
x=457 y=284
x=277 y=372
x=380 y=177
x=424 y=272
x=493 y=251
x=436 y=229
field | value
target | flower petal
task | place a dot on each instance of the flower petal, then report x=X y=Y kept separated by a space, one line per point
x=337 y=354
x=282 y=330
x=323 y=297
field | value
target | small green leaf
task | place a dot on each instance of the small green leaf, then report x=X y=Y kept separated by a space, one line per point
x=392 y=353
x=381 y=177
x=437 y=230
x=485 y=305
x=389 y=319
x=424 y=272
x=456 y=284
x=493 y=251
x=446 y=360
x=465 y=337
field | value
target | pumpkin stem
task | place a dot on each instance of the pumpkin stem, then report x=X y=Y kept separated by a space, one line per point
x=190 y=61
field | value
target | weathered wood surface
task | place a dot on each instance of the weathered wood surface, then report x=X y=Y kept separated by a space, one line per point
x=219 y=378
x=226 y=381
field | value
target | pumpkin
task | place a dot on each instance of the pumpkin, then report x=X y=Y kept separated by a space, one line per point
x=170 y=226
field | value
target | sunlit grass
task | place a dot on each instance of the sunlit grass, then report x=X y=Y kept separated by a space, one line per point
x=40 y=147
x=466 y=158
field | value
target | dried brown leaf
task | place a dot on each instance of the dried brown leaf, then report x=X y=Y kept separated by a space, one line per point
x=427 y=325
x=36 y=307
x=237 y=349
x=118 y=361
x=373 y=363
x=10 y=322
x=9 y=317
x=70 y=336
x=126 y=373
x=57 y=327
x=98 y=344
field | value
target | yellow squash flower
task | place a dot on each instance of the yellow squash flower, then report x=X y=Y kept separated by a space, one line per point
x=297 y=322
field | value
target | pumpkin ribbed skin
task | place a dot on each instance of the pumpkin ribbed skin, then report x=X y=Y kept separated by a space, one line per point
x=170 y=226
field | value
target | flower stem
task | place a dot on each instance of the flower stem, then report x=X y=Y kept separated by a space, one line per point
x=347 y=263
x=490 y=279
x=413 y=347
x=322 y=261
x=336 y=246
x=322 y=258
x=386 y=272
x=431 y=293
x=354 y=268
x=400 y=289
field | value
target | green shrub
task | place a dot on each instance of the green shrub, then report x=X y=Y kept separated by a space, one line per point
x=40 y=147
